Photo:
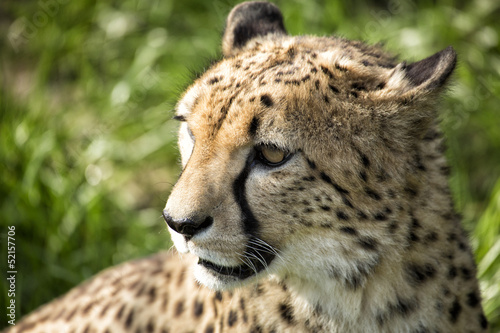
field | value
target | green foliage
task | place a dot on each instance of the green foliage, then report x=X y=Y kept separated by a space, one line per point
x=87 y=146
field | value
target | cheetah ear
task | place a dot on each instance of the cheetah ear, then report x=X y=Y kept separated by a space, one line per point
x=424 y=76
x=248 y=21
x=413 y=90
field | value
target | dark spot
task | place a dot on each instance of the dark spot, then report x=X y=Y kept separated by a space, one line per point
x=362 y=215
x=413 y=237
x=326 y=99
x=431 y=237
x=411 y=191
x=368 y=243
x=340 y=68
x=380 y=86
x=452 y=272
x=266 y=100
x=483 y=321
x=381 y=318
x=260 y=289
x=152 y=294
x=473 y=299
x=445 y=170
x=418 y=274
x=431 y=135
x=365 y=160
x=312 y=165
x=305 y=78
x=372 y=194
x=347 y=202
x=179 y=308
x=218 y=296
x=87 y=329
x=404 y=307
x=256 y=329
x=326 y=71
x=466 y=273
x=342 y=216
x=449 y=217
x=286 y=313
x=363 y=176
x=119 y=314
x=87 y=308
x=316 y=84
x=294 y=82
x=415 y=224
x=325 y=208
x=150 y=327
x=366 y=63
x=254 y=125
x=251 y=99
x=309 y=179
x=454 y=311
x=214 y=80
x=198 y=308
x=418 y=163
x=232 y=318
x=333 y=88
x=104 y=310
x=392 y=227
x=382 y=176
x=353 y=282
x=209 y=328
x=380 y=216
x=354 y=94
x=348 y=230
x=130 y=319
x=358 y=86
x=242 y=304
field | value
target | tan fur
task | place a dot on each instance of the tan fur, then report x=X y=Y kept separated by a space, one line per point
x=356 y=232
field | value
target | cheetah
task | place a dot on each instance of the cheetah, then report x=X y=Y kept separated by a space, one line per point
x=313 y=197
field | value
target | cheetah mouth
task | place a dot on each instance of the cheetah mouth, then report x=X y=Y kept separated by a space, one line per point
x=258 y=263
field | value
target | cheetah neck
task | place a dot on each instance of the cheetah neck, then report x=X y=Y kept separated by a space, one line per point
x=336 y=307
x=407 y=281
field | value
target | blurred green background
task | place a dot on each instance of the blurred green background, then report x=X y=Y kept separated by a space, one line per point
x=87 y=147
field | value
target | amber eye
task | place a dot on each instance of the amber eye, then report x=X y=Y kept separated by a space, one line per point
x=272 y=156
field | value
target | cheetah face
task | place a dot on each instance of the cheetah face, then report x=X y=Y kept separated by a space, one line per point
x=274 y=180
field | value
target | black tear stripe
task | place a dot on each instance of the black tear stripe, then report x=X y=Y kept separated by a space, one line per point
x=259 y=255
x=250 y=223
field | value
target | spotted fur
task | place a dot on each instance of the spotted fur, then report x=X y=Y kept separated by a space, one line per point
x=353 y=230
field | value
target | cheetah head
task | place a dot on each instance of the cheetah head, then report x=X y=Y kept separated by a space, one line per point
x=283 y=143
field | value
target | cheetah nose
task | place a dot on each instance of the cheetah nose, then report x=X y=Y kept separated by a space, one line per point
x=187 y=226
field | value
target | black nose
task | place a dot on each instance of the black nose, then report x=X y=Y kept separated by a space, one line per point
x=188 y=226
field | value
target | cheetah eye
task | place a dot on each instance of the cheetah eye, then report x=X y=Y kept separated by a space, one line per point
x=272 y=156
